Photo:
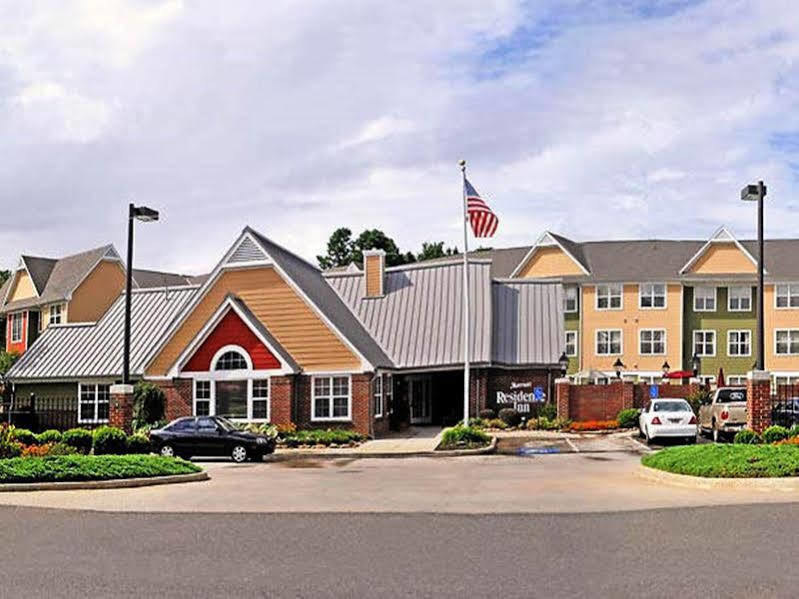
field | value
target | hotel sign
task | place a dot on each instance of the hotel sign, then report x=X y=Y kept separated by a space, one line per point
x=521 y=396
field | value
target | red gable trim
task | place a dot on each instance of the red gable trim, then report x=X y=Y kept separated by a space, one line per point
x=232 y=330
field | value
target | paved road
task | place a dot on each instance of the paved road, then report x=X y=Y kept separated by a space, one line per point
x=61 y=553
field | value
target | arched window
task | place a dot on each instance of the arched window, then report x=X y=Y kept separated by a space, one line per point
x=231 y=360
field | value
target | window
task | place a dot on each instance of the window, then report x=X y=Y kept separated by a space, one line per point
x=186 y=425
x=739 y=299
x=379 y=396
x=786 y=341
x=736 y=380
x=652 y=342
x=202 y=398
x=570 y=299
x=608 y=297
x=16 y=327
x=331 y=398
x=608 y=342
x=704 y=299
x=41 y=322
x=739 y=343
x=706 y=379
x=260 y=399
x=705 y=343
x=94 y=401
x=206 y=425
x=231 y=360
x=571 y=343
x=780 y=381
x=787 y=296
x=652 y=295
x=55 y=314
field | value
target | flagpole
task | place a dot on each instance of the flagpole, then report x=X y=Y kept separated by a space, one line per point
x=462 y=164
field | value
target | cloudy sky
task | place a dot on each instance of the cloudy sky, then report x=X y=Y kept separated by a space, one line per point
x=594 y=119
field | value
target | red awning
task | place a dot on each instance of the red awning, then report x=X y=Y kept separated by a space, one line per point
x=679 y=374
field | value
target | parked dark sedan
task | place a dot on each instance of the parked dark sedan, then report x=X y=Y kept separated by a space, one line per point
x=209 y=436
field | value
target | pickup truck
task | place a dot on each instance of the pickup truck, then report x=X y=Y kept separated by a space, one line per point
x=724 y=413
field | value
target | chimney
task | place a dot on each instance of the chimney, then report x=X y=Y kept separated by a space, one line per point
x=374 y=269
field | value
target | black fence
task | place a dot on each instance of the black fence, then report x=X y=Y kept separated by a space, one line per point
x=42 y=413
x=785 y=406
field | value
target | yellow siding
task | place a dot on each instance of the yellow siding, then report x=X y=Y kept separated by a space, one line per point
x=723 y=258
x=293 y=322
x=549 y=262
x=630 y=319
x=44 y=315
x=97 y=292
x=773 y=318
x=373 y=275
x=23 y=287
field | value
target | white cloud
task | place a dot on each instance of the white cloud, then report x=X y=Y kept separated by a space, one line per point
x=591 y=119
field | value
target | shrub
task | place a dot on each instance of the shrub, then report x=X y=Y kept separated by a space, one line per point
x=697 y=398
x=22 y=435
x=496 y=423
x=79 y=438
x=62 y=449
x=109 y=440
x=594 y=425
x=510 y=417
x=286 y=429
x=747 y=437
x=460 y=437
x=477 y=422
x=144 y=429
x=548 y=424
x=548 y=411
x=628 y=418
x=262 y=428
x=9 y=448
x=487 y=414
x=36 y=451
x=775 y=433
x=320 y=437
x=49 y=436
x=149 y=402
x=793 y=431
x=138 y=443
x=89 y=467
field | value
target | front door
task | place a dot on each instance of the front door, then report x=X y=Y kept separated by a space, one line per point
x=421 y=400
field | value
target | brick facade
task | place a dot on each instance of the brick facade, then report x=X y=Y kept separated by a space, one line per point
x=281 y=391
x=179 y=396
x=562 y=399
x=758 y=401
x=120 y=408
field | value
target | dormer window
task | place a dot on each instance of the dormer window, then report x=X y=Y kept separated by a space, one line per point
x=55 y=313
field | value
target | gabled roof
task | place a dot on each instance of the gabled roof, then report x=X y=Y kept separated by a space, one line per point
x=82 y=351
x=237 y=305
x=567 y=246
x=58 y=278
x=722 y=235
x=419 y=319
x=155 y=278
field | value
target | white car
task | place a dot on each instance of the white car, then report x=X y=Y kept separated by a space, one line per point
x=668 y=418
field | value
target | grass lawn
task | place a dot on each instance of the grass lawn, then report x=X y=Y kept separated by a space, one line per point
x=90 y=467
x=727 y=461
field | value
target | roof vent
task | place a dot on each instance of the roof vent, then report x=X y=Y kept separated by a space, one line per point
x=247 y=251
x=374 y=272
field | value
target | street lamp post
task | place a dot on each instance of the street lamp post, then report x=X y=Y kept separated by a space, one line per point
x=696 y=362
x=563 y=362
x=143 y=214
x=756 y=193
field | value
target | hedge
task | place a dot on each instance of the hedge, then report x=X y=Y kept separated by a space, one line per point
x=82 y=467
x=727 y=461
x=335 y=436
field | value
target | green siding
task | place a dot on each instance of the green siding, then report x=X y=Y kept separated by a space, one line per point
x=69 y=390
x=572 y=323
x=720 y=321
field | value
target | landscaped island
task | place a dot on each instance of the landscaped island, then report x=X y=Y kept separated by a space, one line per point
x=69 y=468
x=728 y=461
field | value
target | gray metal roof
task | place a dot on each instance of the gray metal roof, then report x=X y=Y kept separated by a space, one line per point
x=146 y=279
x=79 y=351
x=309 y=278
x=419 y=319
x=527 y=323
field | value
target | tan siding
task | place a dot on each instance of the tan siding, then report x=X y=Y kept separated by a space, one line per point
x=44 y=315
x=373 y=274
x=23 y=287
x=293 y=322
x=723 y=258
x=549 y=262
x=630 y=319
x=97 y=292
x=777 y=318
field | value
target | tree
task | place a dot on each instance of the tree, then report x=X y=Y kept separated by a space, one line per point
x=7 y=360
x=339 y=249
x=375 y=239
x=435 y=249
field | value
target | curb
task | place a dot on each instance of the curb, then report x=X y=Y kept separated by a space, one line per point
x=120 y=483
x=787 y=484
x=330 y=455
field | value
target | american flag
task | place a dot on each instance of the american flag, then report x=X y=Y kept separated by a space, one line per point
x=484 y=222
